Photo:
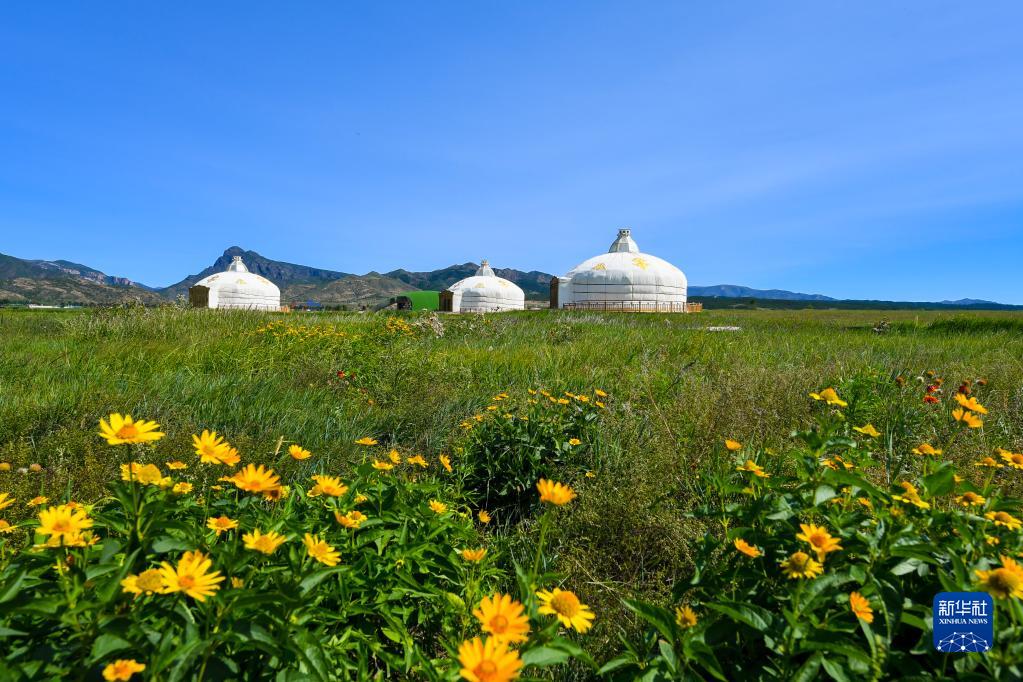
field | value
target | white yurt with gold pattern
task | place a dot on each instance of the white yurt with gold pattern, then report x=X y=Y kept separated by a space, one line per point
x=623 y=279
x=236 y=287
x=483 y=292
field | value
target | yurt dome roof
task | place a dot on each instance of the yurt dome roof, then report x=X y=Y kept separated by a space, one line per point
x=624 y=263
x=488 y=284
x=239 y=281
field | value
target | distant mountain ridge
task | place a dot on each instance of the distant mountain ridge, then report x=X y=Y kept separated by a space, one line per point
x=63 y=282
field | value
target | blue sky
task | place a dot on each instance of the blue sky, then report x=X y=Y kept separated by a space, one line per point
x=860 y=150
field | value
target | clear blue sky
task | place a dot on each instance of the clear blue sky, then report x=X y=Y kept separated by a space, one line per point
x=862 y=150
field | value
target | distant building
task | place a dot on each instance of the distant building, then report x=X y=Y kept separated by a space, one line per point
x=484 y=292
x=417 y=300
x=235 y=288
x=623 y=279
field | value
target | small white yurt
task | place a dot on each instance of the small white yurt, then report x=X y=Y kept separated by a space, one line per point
x=623 y=279
x=484 y=292
x=236 y=287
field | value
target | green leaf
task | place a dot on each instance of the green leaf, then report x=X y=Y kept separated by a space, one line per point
x=823 y=494
x=659 y=617
x=756 y=617
x=543 y=656
x=941 y=481
x=107 y=644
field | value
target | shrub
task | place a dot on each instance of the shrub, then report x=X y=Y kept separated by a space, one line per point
x=817 y=570
x=510 y=446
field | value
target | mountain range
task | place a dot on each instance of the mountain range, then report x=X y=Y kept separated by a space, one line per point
x=62 y=282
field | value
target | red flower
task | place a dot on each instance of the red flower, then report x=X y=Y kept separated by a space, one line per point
x=933 y=388
x=931 y=399
x=964 y=389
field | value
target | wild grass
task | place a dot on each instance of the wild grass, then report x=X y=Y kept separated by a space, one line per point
x=676 y=389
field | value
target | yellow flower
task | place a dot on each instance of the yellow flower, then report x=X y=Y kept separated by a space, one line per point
x=182 y=488
x=221 y=524
x=746 y=548
x=438 y=507
x=360 y=498
x=566 y=606
x=256 y=479
x=146 y=582
x=6 y=500
x=860 y=606
x=926 y=449
x=366 y=441
x=328 y=485
x=754 y=468
x=967 y=417
x=600 y=393
x=970 y=403
x=382 y=466
x=418 y=460
x=1003 y=582
x=267 y=543
x=298 y=452
x=555 y=493
x=121 y=430
x=5 y=526
x=503 y=618
x=210 y=447
x=321 y=551
x=237 y=583
x=1013 y=459
x=819 y=539
x=685 y=617
x=867 y=430
x=445 y=462
x=352 y=519
x=733 y=445
x=63 y=522
x=122 y=669
x=146 y=474
x=970 y=499
x=574 y=441
x=992 y=540
x=394 y=456
x=36 y=501
x=835 y=462
x=990 y=462
x=865 y=502
x=911 y=496
x=277 y=494
x=192 y=576
x=484 y=517
x=801 y=565
x=829 y=396
x=488 y=661
x=599 y=404
x=176 y=465
x=474 y=554
x=1002 y=519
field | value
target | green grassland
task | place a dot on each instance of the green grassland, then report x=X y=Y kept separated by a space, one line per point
x=676 y=390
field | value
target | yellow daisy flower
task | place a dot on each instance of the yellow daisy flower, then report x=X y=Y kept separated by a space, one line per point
x=867 y=430
x=1003 y=582
x=746 y=548
x=438 y=507
x=210 y=447
x=256 y=479
x=474 y=554
x=63 y=522
x=122 y=669
x=321 y=551
x=330 y=486
x=120 y=430
x=503 y=618
x=801 y=565
x=192 y=576
x=555 y=493
x=1006 y=519
x=830 y=396
x=367 y=441
x=146 y=582
x=298 y=452
x=860 y=606
x=488 y=660
x=685 y=617
x=221 y=524
x=819 y=539
x=566 y=607
x=445 y=462
x=267 y=543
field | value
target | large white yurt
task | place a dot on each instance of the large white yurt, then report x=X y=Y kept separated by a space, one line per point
x=236 y=287
x=623 y=279
x=484 y=292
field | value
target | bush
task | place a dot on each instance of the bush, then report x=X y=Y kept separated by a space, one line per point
x=816 y=570
x=509 y=447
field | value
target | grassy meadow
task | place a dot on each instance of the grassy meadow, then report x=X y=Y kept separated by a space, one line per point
x=676 y=390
